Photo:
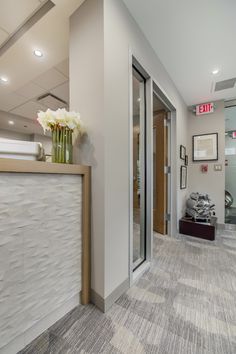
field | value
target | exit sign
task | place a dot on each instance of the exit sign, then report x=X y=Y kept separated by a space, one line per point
x=204 y=108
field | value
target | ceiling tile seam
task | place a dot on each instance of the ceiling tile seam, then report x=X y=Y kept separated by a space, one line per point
x=33 y=99
x=2 y=29
x=62 y=73
x=66 y=79
x=20 y=94
x=22 y=104
x=59 y=85
x=54 y=87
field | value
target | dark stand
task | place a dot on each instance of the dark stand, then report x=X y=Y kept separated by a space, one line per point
x=198 y=229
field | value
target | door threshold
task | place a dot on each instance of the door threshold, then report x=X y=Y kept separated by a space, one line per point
x=140 y=271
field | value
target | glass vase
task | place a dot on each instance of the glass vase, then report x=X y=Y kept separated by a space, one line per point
x=62 y=145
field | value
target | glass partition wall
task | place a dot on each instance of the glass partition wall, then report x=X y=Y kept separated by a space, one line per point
x=230 y=164
x=139 y=168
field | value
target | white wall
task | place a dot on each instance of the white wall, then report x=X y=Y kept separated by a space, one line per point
x=102 y=36
x=212 y=182
x=87 y=97
x=230 y=170
x=9 y=134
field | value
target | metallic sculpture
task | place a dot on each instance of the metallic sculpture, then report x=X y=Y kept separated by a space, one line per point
x=200 y=207
x=228 y=199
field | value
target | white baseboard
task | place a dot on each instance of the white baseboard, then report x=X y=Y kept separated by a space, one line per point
x=105 y=304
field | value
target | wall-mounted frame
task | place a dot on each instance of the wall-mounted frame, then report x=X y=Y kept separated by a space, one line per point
x=183 y=177
x=205 y=147
x=186 y=160
x=182 y=152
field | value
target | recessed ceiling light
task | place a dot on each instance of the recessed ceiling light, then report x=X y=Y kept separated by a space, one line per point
x=4 y=79
x=11 y=122
x=38 y=53
x=215 y=71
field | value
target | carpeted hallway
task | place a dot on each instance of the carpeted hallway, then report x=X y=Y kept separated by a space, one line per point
x=186 y=303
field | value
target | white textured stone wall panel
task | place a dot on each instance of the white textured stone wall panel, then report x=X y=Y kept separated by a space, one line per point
x=40 y=247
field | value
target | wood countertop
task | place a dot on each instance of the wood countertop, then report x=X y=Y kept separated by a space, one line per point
x=27 y=166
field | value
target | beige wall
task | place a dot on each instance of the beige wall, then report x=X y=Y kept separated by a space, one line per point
x=212 y=182
x=102 y=36
x=87 y=96
x=9 y=134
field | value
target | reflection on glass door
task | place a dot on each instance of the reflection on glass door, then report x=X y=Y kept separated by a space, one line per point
x=230 y=165
x=139 y=164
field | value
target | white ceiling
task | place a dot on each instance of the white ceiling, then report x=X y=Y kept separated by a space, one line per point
x=29 y=76
x=8 y=22
x=24 y=100
x=191 y=38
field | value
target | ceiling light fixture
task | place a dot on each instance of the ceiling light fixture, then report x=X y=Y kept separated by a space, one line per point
x=38 y=53
x=4 y=79
x=215 y=71
x=11 y=122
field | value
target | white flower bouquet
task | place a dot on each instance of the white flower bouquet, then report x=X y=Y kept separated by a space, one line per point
x=50 y=120
x=62 y=124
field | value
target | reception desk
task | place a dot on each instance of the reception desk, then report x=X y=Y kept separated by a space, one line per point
x=44 y=246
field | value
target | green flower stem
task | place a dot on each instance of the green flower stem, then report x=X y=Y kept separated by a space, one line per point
x=61 y=144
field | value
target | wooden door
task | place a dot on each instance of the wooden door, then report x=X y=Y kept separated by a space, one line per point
x=160 y=160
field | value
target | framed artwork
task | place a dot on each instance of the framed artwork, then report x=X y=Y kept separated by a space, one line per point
x=205 y=147
x=182 y=152
x=183 y=177
x=186 y=160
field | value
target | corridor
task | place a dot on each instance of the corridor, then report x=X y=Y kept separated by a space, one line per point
x=184 y=304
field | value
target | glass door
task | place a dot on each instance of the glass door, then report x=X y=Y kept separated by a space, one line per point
x=139 y=170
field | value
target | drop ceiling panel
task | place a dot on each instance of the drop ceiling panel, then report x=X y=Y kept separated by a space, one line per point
x=63 y=67
x=30 y=91
x=28 y=110
x=10 y=101
x=14 y=13
x=18 y=62
x=3 y=36
x=62 y=91
x=50 y=79
x=52 y=103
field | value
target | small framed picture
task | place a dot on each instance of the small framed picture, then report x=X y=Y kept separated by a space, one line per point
x=186 y=160
x=183 y=177
x=182 y=152
x=205 y=147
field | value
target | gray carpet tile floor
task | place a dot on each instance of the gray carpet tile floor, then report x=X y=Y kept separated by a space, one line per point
x=185 y=303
